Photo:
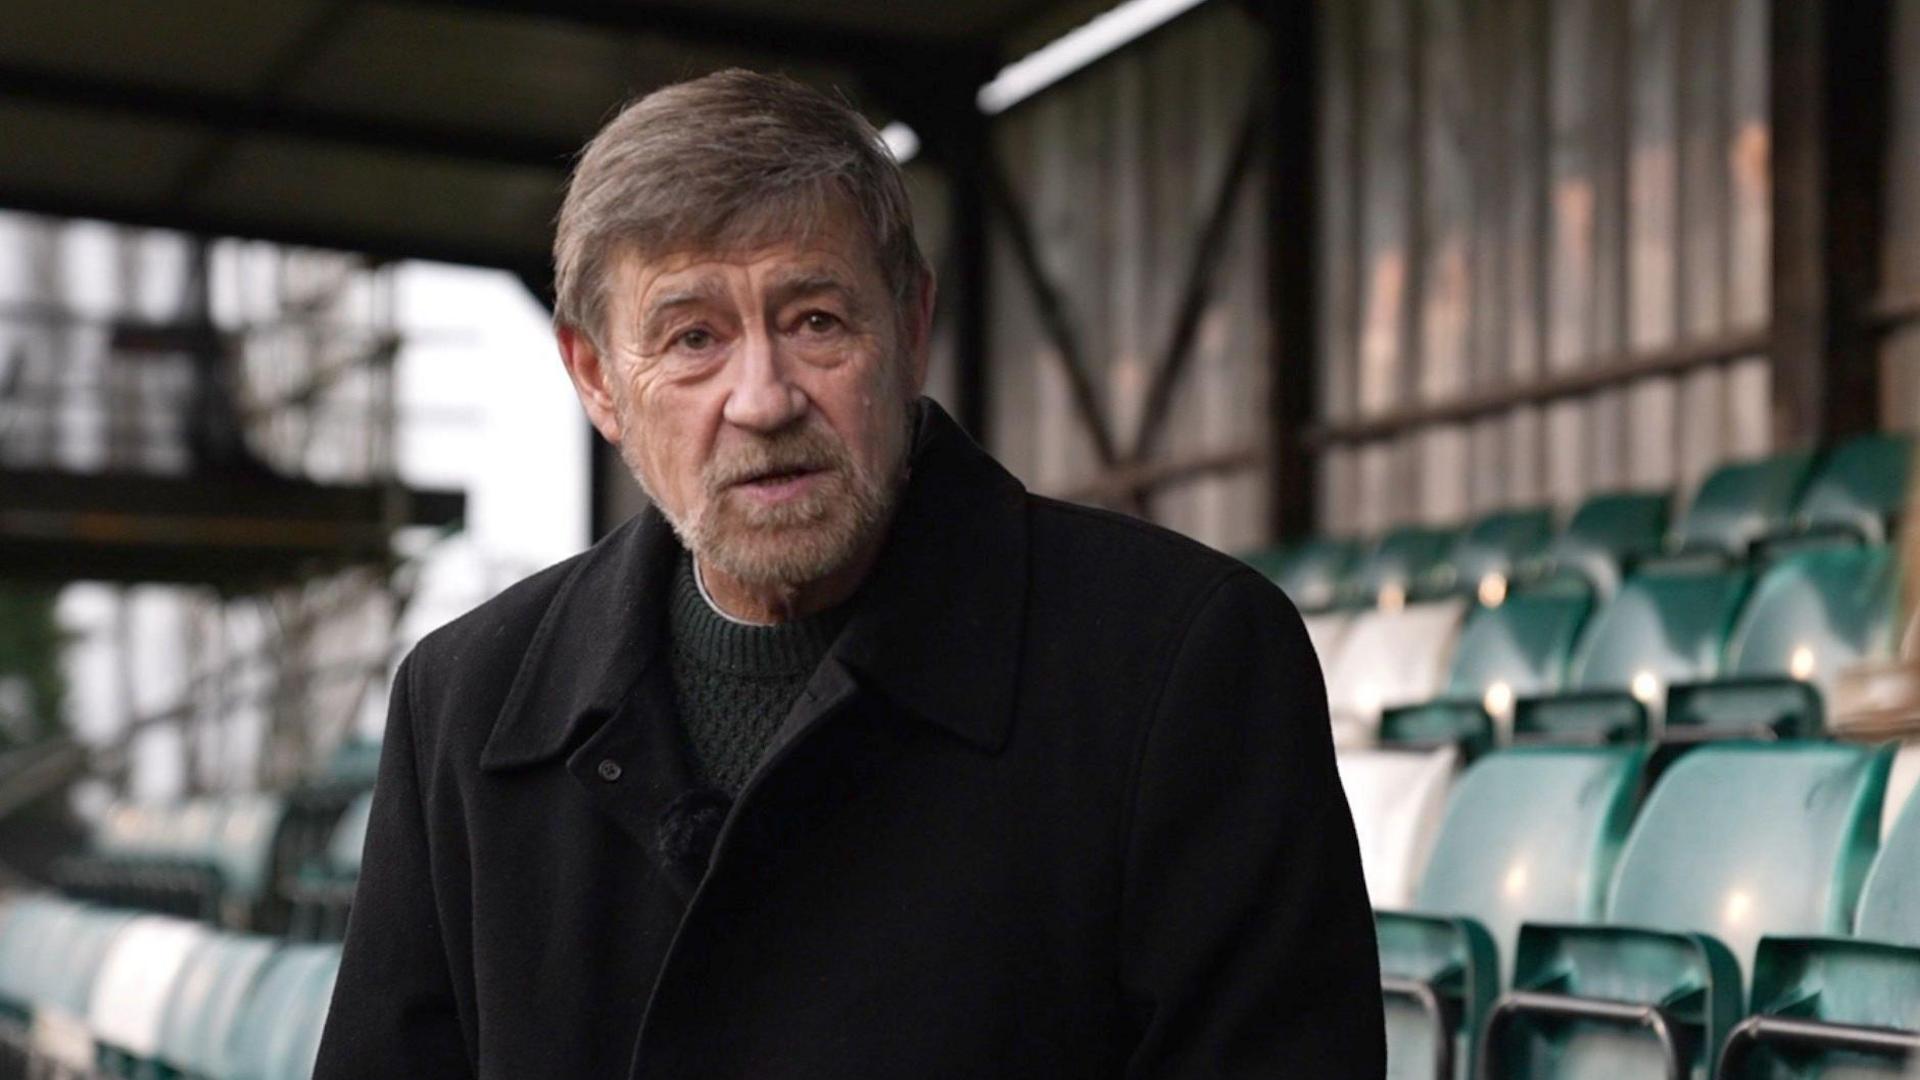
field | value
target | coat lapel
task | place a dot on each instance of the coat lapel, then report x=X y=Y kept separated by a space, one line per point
x=937 y=626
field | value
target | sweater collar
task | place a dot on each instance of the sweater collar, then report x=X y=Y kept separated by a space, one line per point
x=935 y=629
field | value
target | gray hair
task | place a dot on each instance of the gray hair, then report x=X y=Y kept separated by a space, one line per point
x=727 y=162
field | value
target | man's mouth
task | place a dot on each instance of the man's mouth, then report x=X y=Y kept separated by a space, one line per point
x=780 y=484
x=776 y=477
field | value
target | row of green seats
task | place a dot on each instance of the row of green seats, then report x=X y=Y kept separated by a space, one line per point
x=1705 y=653
x=1746 y=918
x=228 y=847
x=1855 y=491
x=110 y=992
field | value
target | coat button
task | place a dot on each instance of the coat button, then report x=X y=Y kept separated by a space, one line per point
x=609 y=770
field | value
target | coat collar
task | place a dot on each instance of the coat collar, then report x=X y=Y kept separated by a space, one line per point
x=935 y=629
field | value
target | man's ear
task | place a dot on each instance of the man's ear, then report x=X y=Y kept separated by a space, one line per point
x=920 y=334
x=591 y=373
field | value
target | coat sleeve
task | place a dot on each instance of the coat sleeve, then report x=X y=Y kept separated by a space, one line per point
x=1248 y=947
x=394 y=1011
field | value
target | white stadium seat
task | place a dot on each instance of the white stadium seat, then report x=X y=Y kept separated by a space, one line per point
x=1397 y=798
x=135 y=984
x=1391 y=657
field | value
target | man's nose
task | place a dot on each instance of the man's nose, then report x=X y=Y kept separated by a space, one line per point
x=763 y=397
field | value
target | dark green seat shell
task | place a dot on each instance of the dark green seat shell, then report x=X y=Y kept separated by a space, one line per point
x=1860 y=489
x=1606 y=535
x=1742 y=502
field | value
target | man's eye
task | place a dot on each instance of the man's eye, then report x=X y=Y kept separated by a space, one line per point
x=819 y=322
x=696 y=339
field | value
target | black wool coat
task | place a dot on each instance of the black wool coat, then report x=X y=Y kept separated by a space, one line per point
x=1060 y=802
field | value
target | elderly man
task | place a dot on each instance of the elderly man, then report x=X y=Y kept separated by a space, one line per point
x=849 y=757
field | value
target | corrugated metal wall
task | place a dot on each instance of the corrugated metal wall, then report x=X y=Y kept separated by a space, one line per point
x=1900 y=394
x=1116 y=170
x=1517 y=189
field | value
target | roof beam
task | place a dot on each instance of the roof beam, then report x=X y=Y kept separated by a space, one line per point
x=531 y=263
x=806 y=39
x=239 y=113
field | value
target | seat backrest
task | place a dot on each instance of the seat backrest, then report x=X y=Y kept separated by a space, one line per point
x=349 y=837
x=1309 y=571
x=1396 y=797
x=1815 y=613
x=74 y=957
x=1531 y=834
x=1743 y=839
x=1660 y=629
x=1327 y=629
x=1860 y=487
x=1406 y=563
x=1520 y=649
x=1902 y=780
x=1890 y=902
x=355 y=762
x=1496 y=545
x=136 y=981
x=278 y=1031
x=1391 y=657
x=207 y=1000
x=30 y=922
x=1741 y=502
x=1605 y=533
x=245 y=844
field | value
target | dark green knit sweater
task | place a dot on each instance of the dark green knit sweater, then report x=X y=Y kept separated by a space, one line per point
x=734 y=683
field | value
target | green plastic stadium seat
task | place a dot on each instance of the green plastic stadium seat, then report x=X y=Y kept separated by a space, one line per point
x=350 y=837
x=1742 y=502
x=1490 y=554
x=1819 y=1002
x=1812 y=615
x=1529 y=835
x=1737 y=840
x=1520 y=649
x=1310 y=571
x=50 y=959
x=243 y=850
x=1409 y=563
x=207 y=999
x=354 y=764
x=1662 y=628
x=278 y=1033
x=1859 y=490
x=1604 y=538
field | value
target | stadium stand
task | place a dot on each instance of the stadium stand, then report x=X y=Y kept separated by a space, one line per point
x=1735 y=673
x=88 y=991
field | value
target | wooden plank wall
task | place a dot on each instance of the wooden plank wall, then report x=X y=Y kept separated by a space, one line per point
x=1519 y=189
x=1117 y=169
x=1900 y=272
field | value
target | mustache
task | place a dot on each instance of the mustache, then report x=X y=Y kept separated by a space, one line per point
x=806 y=449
